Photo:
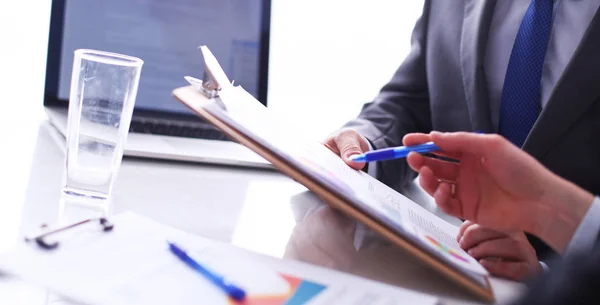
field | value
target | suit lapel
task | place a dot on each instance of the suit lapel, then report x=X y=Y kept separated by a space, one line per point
x=577 y=89
x=476 y=25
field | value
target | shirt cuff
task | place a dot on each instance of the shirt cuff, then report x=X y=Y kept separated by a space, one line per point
x=544 y=267
x=586 y=233
x=372 y=169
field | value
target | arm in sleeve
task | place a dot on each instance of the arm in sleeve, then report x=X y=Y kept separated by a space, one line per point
x=401 y=107
x=570 y=281
x=587 y=232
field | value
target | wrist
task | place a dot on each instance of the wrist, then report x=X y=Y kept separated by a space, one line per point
x=560 y=211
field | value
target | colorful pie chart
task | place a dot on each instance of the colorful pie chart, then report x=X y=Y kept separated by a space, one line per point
x=444 y=249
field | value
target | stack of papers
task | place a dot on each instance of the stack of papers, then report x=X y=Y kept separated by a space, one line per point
x=132 y=265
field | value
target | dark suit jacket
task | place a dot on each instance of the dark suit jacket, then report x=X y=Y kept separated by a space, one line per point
x=441 y=86
x=574 y=281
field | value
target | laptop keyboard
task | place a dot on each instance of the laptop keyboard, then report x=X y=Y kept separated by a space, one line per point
x=177 y=130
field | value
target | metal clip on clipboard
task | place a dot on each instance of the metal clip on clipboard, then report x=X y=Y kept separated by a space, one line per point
x=208 y=86
x=212 y=78
x=44 y=244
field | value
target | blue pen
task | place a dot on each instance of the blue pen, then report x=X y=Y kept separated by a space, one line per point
x=394 y=152
x=233 y=291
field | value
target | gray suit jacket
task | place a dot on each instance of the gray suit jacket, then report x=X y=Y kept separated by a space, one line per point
x=441 y=86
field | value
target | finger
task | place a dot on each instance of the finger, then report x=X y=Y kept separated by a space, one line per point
x=476 y=234
x=461 y=230
x=354 y=164
x=428 y=181
x=440 y=191
x=442 y=169
x=504 y=248
x=330 y=143
x=468 y=142
x=451 y=155
x=415 y=139
x=446 y=201
x=420 y=138
x=350 y=143
x=511 y=270
x=415 y=161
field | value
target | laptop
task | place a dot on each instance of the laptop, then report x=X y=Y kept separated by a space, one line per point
x=166 y=35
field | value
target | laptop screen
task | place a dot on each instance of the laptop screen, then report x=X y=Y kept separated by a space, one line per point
x=166 y=36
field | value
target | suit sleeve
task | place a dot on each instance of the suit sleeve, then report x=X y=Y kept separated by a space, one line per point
x=586 y=235
x=572 y=281
x=401 y=107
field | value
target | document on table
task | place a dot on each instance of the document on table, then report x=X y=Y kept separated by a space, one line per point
x=132 y=265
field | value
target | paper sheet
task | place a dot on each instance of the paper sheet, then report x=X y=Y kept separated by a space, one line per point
x=132 y=265
x=390 y=206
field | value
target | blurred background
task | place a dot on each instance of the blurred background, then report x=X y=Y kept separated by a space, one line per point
x=327 y=59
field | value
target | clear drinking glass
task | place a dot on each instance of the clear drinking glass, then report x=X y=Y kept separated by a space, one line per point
x=103 y=90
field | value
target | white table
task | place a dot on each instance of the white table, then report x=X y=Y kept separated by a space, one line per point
x=258 y=210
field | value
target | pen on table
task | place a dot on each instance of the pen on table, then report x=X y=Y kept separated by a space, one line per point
x=394 y=152
x=231 y=290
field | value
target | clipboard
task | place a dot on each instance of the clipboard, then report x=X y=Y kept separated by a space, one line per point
x=204 y=98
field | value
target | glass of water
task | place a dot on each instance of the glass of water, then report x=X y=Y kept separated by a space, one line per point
x=103 y=90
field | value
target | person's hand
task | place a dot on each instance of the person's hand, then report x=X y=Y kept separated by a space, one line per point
x=499 y=186
x=507 y=255
x=494 y=183
x=346 y=143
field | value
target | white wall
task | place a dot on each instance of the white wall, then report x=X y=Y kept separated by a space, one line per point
x=23 y=32
x=23 y=39
x=329 y=57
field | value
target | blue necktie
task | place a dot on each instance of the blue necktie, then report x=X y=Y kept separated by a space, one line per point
x=521 y=102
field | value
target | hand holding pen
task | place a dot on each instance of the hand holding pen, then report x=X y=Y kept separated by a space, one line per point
x=347 y=143
x=394 y=152
x=354 y=149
